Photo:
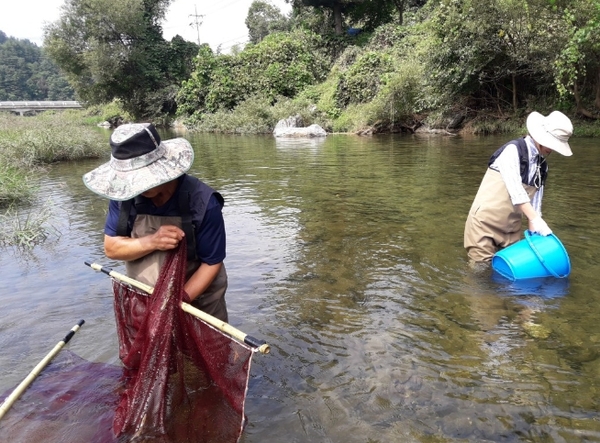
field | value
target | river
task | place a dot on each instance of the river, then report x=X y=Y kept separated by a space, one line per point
x=345 y=254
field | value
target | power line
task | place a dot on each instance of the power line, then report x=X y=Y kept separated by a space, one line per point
x=245 y=36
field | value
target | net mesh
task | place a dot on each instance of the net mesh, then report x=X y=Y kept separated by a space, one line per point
x=71 y=401
x=185 y=380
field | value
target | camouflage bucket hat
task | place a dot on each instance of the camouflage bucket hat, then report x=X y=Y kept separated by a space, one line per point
x=139 y=161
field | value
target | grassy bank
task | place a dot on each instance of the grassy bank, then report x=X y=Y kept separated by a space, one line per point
x=28 y=144
x=258 y=116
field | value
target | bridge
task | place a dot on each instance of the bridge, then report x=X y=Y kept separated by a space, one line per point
x=23 y=108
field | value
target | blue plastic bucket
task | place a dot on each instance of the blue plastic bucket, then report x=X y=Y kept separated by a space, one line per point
x=535 y=256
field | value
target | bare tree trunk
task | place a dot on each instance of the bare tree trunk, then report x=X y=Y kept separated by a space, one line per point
x=580 y=109
x=597 y=100
x=400 y=8
x=337 y=17
x=514 y=93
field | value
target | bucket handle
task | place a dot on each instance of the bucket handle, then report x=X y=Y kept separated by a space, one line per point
x=539 y=256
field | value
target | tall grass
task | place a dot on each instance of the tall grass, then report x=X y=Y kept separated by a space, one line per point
x=28 y=143
x=256 y=115
x=47 y=138
x=14 y=184
x=28 y=229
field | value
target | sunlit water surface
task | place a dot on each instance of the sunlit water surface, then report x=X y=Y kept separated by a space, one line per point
x=346 y=255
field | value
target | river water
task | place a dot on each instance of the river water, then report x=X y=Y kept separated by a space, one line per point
x=345 y=255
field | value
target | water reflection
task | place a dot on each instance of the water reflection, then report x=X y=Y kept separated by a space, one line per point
x=346 y=255
x=302 y=143
x=548 y=287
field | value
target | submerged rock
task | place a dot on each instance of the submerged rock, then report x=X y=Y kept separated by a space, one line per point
x=536 y=331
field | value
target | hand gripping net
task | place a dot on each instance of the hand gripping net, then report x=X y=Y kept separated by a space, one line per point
x=185 y=381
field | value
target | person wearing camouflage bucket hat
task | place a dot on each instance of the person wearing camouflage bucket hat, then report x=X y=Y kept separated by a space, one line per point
x=154 y=205
x=139 y=161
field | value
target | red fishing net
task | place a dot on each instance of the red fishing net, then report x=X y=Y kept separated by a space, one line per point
x=186 y=380
x=71 y=401
x=183 y=382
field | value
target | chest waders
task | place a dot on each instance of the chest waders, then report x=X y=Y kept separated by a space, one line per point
x=494 y=222
x=146 y=269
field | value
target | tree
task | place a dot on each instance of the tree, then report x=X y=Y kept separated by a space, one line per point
x=26 y=73
x=577 y=68
x=337 y=7
x=496 y=52
x=263 y=18
x=403 y=5
x=113 y=49
x=368 y=14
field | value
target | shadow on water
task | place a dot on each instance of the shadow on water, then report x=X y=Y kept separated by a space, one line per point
x=346 y=255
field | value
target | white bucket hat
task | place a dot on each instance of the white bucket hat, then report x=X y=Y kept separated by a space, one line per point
x=139 y=161
x=552 y=131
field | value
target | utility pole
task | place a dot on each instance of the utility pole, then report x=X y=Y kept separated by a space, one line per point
x=197 y=22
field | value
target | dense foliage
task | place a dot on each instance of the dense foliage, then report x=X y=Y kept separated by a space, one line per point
x=26 y=73
x=577 y=66
x=495 y=53
x=114 y=49
x=416 y=62
x=281 y=65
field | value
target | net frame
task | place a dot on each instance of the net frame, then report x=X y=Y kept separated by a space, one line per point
x=168 y=376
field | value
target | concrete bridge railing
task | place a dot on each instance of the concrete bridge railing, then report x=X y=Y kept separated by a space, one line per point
x=22 y=107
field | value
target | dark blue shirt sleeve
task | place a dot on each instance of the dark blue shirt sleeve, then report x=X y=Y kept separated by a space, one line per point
x=210 y=237
x=112 y=219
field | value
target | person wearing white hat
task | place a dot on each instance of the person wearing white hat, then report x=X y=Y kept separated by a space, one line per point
x=513 y=186
x=154 y=205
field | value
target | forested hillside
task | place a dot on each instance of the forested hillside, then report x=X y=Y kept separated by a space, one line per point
x=27 y=73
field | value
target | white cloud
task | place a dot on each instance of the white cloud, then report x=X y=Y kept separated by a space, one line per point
x=24 y=19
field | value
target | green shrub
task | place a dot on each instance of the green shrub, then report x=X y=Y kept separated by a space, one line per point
x=323 y=96
x=387 y=36
x=400 y=96
x=351 y=119
x=362 y=80
x=483 y=125
x=252 y=116
x=586 y=128
x=256 y=115
x=281 y=65
x=95 y=114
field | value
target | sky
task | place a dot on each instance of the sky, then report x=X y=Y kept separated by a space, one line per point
x=222 y=21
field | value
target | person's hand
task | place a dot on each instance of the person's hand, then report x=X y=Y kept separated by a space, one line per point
x=167 y=237
x=540 y=226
